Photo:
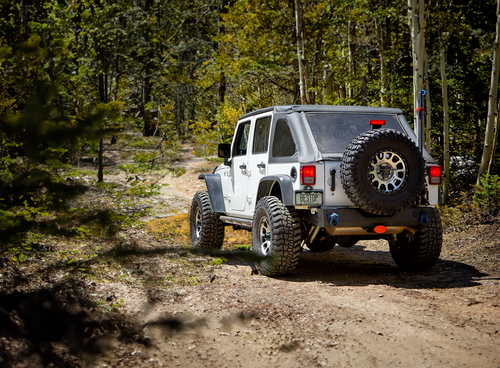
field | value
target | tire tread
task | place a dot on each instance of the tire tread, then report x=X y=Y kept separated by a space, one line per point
x=212 y=233
x=286 y=235
x=422 y=252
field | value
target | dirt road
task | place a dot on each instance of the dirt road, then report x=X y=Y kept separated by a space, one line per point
x=345 y=307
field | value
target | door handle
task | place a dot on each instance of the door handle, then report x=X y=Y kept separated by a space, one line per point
x=262 y=165
x=243 y=167
x=332 y=174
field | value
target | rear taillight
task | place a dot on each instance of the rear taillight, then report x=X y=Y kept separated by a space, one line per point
x=308 y=175
x=435 y=175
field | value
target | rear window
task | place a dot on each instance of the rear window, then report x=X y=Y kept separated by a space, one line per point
x=334 y=132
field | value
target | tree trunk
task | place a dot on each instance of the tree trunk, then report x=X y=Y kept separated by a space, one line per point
x=383 y=79
x=149 y=128
x=364 y=92
x=300 y=52
x=327 y=82
x=446 y=117
x=495 y=140
x=222 y=30
x=342 y=93
x=492 y=102
x=103 y=98
x=350 y=60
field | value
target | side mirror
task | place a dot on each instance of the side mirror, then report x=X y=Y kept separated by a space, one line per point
x=224 y=151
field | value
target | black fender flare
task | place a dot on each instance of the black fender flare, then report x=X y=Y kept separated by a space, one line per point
x=267 y=186
x=214 y=188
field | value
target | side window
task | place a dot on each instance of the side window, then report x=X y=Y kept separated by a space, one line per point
x=241 y=143
x=283 y=144
x=261 y=136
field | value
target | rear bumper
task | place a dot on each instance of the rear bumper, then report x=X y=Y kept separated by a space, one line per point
x=331 y=217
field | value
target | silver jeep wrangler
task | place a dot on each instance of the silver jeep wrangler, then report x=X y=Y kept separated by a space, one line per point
x=317 y=176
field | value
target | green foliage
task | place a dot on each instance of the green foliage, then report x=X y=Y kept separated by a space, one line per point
x=12 y=221
x=144 y=190
x=488 y=193
x=131 y=168
x=178 y=171
x=468 y=208
x=207 y=136
x=145 y=157
x=72 y=73
x=243 y=247
x=218 y=261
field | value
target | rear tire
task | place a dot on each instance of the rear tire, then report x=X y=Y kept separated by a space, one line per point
x=276 y=237
x=207 y=230
x=420 y=251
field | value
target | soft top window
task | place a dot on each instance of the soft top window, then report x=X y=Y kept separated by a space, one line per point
x=334 y=132
x=261 y=135
x=241 y=143
x=283 y=143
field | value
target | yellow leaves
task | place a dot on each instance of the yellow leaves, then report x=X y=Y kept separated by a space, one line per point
x=231 y=114
x=177 y=228
x=5 y=52
x=174 y=227
x=111 y=109
x=32 y=46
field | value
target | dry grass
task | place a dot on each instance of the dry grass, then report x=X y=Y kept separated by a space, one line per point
x=176 y=228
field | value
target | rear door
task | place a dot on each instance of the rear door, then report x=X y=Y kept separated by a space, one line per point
x=258 y=159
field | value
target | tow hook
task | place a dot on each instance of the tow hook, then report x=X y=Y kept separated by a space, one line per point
x=424 y=218
x=334 y=220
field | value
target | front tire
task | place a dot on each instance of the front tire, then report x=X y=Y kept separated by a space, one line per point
x=207 y=230
x=420 y=251
x=276 y=237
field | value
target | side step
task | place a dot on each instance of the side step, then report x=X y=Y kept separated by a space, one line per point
x=245 y=223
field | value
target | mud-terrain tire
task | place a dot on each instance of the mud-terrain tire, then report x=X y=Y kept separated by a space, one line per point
x=322 y=243
x=276 y=237
x=206 y=228
x=420 y=251
x=382 y=171
x=347 y=241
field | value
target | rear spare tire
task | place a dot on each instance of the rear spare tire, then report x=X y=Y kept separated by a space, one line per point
x=382 y=171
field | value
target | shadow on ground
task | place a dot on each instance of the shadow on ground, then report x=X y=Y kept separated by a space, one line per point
x=357 y=266
x=58 y=326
